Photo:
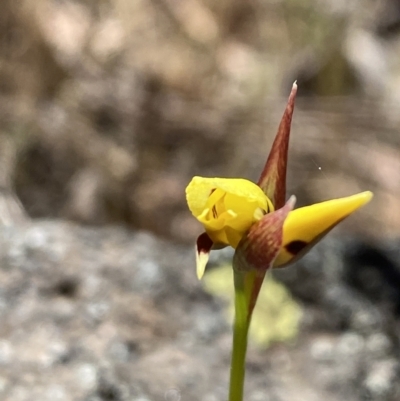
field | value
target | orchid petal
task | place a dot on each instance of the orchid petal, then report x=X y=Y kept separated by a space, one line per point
x=227 y=208
x=273 y=177
x=199 y=190
x=305 y=226
x=203 y=248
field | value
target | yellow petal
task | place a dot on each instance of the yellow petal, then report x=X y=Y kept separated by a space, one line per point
x=227 y=207
x=199 y=190
x=305 y=226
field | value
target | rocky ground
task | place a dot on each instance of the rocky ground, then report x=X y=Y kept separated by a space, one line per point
x=112 y=315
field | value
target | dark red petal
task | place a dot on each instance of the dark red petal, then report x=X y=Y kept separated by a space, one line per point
x=273 y=178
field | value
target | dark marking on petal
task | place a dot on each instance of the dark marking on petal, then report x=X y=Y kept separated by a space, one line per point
x=204 y=243
x=214 y=209
x=295 y=247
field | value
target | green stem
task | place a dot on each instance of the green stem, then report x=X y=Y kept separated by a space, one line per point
x=240 y=331
x=247 y=288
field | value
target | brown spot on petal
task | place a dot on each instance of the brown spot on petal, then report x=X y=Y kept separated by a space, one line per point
x=295 y=247
x=204 y=243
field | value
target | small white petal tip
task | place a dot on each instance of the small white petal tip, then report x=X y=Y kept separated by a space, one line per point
x=291 y=202
x=201 y=262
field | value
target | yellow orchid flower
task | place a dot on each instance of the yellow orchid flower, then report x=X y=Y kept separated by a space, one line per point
x=264 y=230
x=231 y=208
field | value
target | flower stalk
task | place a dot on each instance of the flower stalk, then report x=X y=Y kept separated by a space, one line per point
x=247 y=288
x=240 y=331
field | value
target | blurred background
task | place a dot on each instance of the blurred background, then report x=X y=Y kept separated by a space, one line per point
x=108 y=108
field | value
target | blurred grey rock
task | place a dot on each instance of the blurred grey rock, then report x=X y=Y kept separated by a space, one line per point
x=106 y=314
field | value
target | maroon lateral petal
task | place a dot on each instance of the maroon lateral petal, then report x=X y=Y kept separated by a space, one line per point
x=273 y=177
x=203 y=248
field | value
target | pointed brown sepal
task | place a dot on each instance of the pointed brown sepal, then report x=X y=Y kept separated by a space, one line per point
x=259 y=248
x=273 y=178
x=203 y=248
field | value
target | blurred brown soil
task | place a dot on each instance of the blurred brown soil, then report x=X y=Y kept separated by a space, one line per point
x=107 y=109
